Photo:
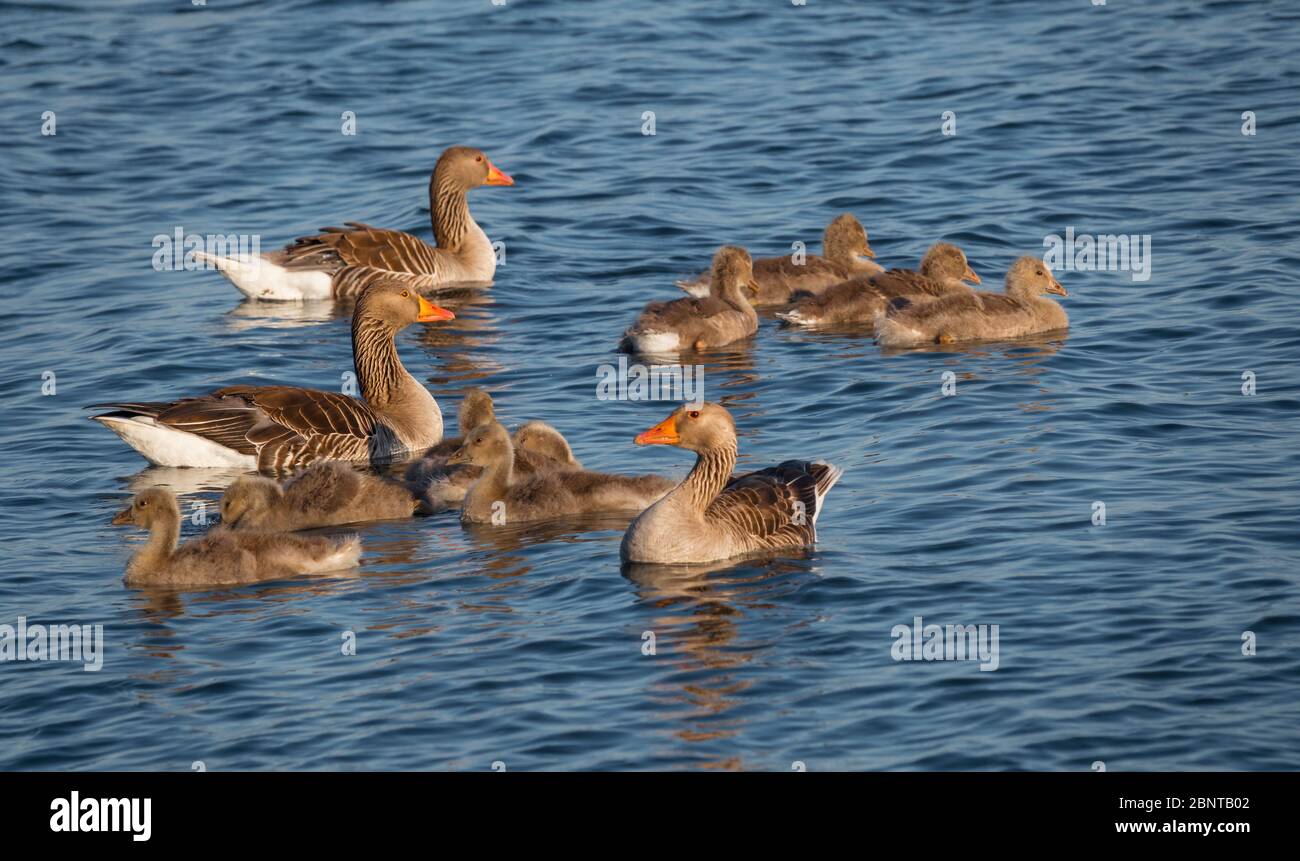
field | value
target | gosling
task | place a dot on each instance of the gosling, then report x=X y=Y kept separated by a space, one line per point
x=1021 y=310
x=498 y=497
x=222 y=557
x=324 y=494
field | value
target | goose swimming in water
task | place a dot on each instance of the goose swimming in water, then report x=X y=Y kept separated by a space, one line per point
x=845 y=254
x=280 y=428
x=498 y=496
x=222 y=557
x=441 y=484
x=311 y=267
x=711 y=515
x=324 y=494
x=542 y=439
x=718 y=319
x=1021 y=310
x=943 y=271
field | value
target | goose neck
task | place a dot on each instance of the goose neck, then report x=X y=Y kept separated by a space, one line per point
x=712 y=471
x=163 y=536
x=380 y=373
x=492 y=487
x=449 y=210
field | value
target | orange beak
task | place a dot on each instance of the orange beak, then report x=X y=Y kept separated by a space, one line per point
x=1056 y=288
x=664 y=433
x=870 y=253
x=970 y=276
x=496 y=177
x=430 y=313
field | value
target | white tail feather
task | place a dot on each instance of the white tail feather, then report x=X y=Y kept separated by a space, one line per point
x=891 y=333
x=259 y=278
x=655 y=343
x=346 y=556
x=835 y=474
x=166 y=446
x=697 y=288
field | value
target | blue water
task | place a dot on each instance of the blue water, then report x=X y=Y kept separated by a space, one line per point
x=1119 y=643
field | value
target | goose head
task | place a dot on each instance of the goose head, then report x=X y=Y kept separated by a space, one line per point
x=541 y=438
x=466 y=167
x=1029 y=277
x=155 y=505
x=698 y=428
x=946 y=262
x=845 y=240
x=732 y=273
x=475 y=409
x=248 y=498
x=485 y=446
x=395 y=304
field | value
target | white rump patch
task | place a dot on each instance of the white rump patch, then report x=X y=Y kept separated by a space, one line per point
x=166 y=446
x=259 y=278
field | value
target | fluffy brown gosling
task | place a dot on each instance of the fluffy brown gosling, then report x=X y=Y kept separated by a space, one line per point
x=542 y=439
x=498 y=497
x=943 y=270
x=845 y=254
x=326 y=494
x=221 y=556
x=722 y=317
x=1023 y=309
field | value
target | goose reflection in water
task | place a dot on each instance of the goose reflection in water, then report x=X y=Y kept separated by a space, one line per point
x=696 y=613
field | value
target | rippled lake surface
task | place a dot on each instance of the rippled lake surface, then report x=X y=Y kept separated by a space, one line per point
x=1120 y=643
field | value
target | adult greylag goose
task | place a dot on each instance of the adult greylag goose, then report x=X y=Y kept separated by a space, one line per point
x=698 y=324
x=859 y=300
x=324 y=494
x=222 y=557
x=1021 y=310
x=310 y=266
x=844 y=245
x=711 y=515
x=280 y=428
x=499 y=496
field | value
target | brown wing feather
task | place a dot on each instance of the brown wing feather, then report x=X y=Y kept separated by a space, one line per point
x=226 y=421
x=681 y=311
x=905 y=282
x=308 y=411
x=282 y=426
x=972 y=302
x=134 y=408
x=772 y=267
x=843 y=296
x=762 y=505
x=361 y=244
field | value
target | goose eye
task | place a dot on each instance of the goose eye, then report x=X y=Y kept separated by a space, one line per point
x=695 y=414
x=143 y=503
x=478 y=158
x=406 y=294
